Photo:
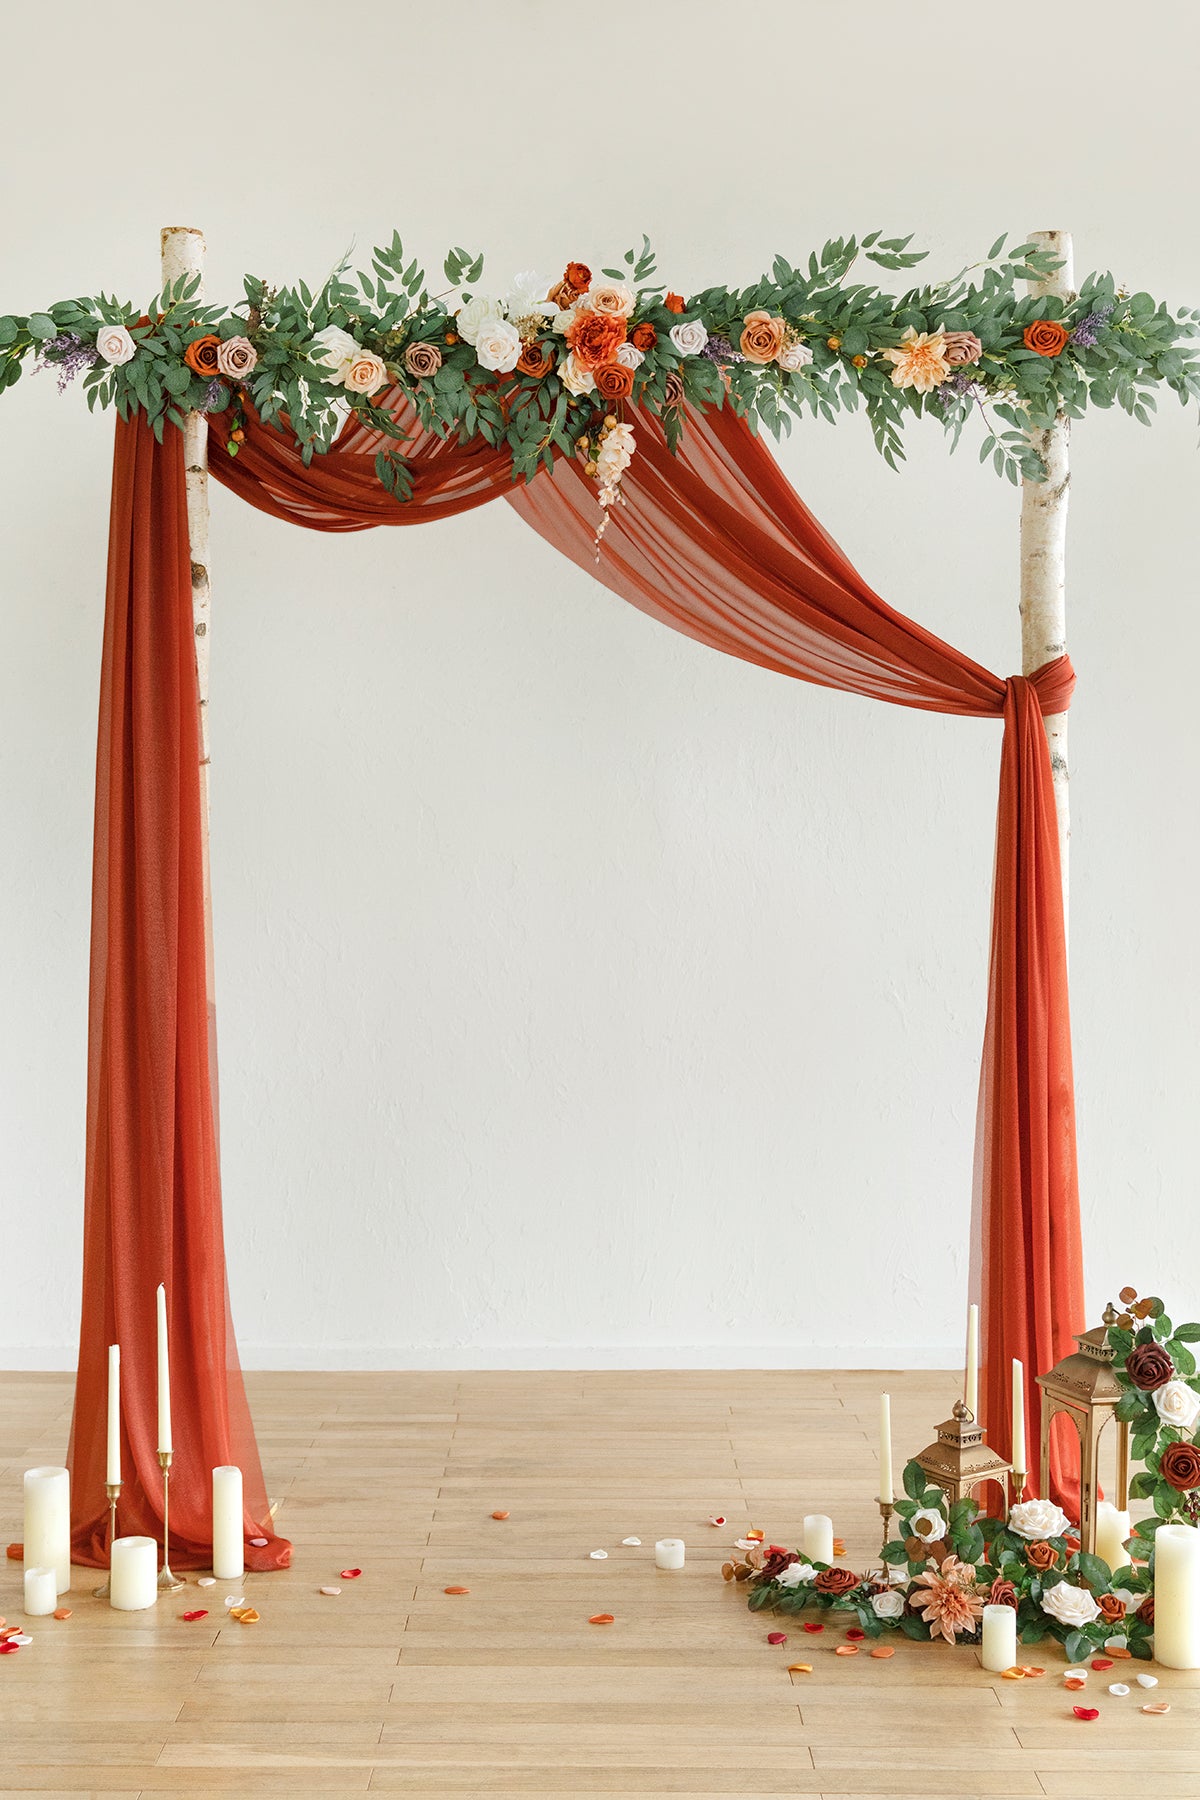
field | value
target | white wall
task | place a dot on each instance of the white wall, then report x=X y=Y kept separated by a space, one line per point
x=586 y=997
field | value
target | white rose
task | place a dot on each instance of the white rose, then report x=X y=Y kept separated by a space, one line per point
x=1177 y=1404
x=629 y=355
x=476 y=313
x=364 y=373
x=795 y=1574
x=564 y=319
x=929 y=1524
x=498 y=345
x=335 y=349
x=574 y=377
x=794 y=356
x=1038 y=1519
x=611 y=298
x=689 y=337
x=115 y=344
x=1072 y=1606
x=889 y=1605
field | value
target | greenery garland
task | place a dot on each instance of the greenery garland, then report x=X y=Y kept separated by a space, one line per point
x=949 y=1560
x=546 y=371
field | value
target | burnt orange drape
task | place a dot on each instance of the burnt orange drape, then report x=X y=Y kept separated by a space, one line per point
x=714 y=542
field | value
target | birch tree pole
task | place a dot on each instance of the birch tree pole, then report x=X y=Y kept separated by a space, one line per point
x=183 y=254
x=1043 y=558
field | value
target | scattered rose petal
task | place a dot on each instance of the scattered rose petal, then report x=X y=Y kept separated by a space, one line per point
x=351 y=1574
x=245 y=1615
x=1085 y=1712
x=332 y=1591
x=717 y=1519
x=8 y=1647
x=1074 y=1683
x=1101 y=1662
x=1031 y=1670
x=799 y=1668
x=855 y=1631
x=601 y=1619
x=1016 y=1673
x=777 y=1550
x=62 y=1612
x=839 y=1546
x=206 y=1581
x=259 y=1543
x=812 y=1625
x=9 y=1631
x=16 y=1553
x=450 y=1590
x=232 y=1600
x=1118 y=1687
x=200 y=1613
x=777 y=1637
x=846 y=1650
x=1147 y=1681
x=883 y=1650
x=1082 y=1673
x=598 y=1555
x=1157 y=1707
x=3 y=1623
x=755 y=1535
x=746 y=1543
x=21 y=1639
x=631 y=1543
x=500 y=1513
x=1119 y=1650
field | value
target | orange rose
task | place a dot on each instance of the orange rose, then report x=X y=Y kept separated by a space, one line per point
x=1002 y=1593
x=201 y=355
x=614 y=381
x=675 y=303
x=563 y=295
x=643 y=336
x=762 y=337
x=594 y=337
x=1041 y=1555
x=578 y=276
x=836 y=1581
x=536 y=360
x=1046 y=336
x=1180 y=1465
x=1112 y=1610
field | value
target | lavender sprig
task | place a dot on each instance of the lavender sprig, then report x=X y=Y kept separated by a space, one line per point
x=67 y=355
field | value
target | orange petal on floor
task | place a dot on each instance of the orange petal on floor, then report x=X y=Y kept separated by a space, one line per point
x=601 y=1619
x=846 y=1650
x=839 y=1546
x=1013 y=1674
x=1074 y=1682
x=1157 y=1706
x=246 y=1615
x=16 y=1553
x=1120 y=1652
x=499 y=1514
x=62 y=1612
x=756 y=1534
x=456 y=1590
x=1027 y=1669
x=799 y=1668
x=882 y=1650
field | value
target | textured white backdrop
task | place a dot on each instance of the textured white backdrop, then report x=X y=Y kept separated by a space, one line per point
x=585 y=997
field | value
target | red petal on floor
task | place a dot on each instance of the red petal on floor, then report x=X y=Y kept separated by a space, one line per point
x=16 y=1553
x=351 y=1574
x=777 y=1637
x=855 y=1632
x=202 y=1613
x=811 y=1625
x=1102 y=1662
x=1085 y=1712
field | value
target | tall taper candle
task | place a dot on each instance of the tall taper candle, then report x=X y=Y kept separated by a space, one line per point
x=164 y=1374
x=1018 y=1418
x=228 y=1544
x=113 y=1465
x=48 y=1523
x=886 y=1487
x=1177 y=1596
x=972 y=1393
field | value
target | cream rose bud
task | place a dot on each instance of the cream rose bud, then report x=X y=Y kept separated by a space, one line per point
x=476 y=313
x=1038 y=1519
x=115 y=344
x=629 y=356
x=574 y=377
x=365 y=374
x=1072 y=1606
x=889 y=1605
x=563 y=320
x=794 y=356
x=611 y=298
x=689 y=337
x=929 y=1524
x=796 y=1574
x=1177 y=1404
x=498 y=345
x=236 y=356
x=334 y=348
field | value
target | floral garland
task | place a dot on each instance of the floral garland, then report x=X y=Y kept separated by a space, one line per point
x=949 y=1560
x=546 y=370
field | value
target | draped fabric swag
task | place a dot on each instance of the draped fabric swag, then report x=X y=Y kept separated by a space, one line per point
x=712 y=541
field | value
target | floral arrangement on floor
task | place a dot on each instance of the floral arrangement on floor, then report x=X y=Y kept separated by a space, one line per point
x=1161 y=1406
x=547 y=368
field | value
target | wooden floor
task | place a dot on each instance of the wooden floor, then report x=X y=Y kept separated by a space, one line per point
x=397 y=1687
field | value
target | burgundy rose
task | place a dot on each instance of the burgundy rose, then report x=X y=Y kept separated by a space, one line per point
x=1002 y=1593
x=836 y=1581
x=1148 y=1367
x=1180 y=1465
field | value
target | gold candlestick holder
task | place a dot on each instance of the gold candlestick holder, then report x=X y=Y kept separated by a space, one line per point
x=166 y=1581
x=113 y=1490
x=886 y=1509
x=1018 y=1478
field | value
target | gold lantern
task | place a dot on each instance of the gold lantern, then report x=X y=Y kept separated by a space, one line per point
x=960 y=1459
x=1084 y=1385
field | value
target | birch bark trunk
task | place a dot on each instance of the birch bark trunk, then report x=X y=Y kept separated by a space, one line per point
x=1043 y=559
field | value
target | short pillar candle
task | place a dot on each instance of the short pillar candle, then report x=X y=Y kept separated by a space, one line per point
x=1112 y=1530
x=999 y=1638
x=818 y=1538
x=48 y=1523
x=41 y=1593
x=669 y=1553
x=133 y=1576
x=1177 y=1596
x=229 y=1545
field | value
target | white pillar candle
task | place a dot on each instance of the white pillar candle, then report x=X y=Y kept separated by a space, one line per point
x=112 y=1473
x=669 y=1553
x=1112 y=1529
x=818 y=1538
x=164 y=1374
x=1018 y=1418
x=48 y=1523
x=41 y=1593
x=999 y=1637
x=886 y=1487
x=133 y=1577
x=1177 y=1596
x=972 y=1392
x=228 y=1542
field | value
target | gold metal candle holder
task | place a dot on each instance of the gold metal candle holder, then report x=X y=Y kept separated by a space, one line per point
x=113 y=1490
x=886 y=1509
x=166 y=1581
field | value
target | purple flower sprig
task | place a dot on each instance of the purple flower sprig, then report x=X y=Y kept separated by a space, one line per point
x=67 y=355
x=721 y=350
x=1087 y=332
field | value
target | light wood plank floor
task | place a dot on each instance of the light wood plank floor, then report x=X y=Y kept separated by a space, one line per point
x=397 y=1687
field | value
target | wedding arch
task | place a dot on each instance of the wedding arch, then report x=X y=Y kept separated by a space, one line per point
x=629 y=410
